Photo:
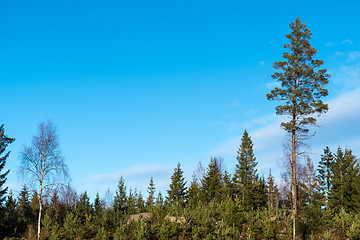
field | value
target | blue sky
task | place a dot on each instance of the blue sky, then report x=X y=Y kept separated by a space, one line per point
x=136 y=87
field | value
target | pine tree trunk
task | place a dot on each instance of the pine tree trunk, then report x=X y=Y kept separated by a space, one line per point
x=293 y=178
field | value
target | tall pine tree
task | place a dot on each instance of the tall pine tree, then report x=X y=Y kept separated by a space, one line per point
x=302 y=86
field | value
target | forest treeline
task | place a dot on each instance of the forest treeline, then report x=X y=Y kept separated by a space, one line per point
x=310 y=202
x=215 y=204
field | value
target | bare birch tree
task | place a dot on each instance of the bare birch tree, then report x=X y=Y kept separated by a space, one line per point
x=43 y=165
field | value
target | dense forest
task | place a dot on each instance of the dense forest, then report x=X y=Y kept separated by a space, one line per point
x=308 y=202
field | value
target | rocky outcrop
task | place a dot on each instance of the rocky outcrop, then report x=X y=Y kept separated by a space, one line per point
x=135 y=217
x=175 y=219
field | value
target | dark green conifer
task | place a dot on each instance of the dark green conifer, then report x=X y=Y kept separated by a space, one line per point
x=98 y=206
x=259 y=194
x=10 y=218
x=83 y=208
x=272 y=191
x=120 y=198
x=310 y=200
x=194 y=193
x=24 y=211
x=131 y=202
x=211 y=183
x=345 y=182
x=229 y=188
x=140 y=203
x=4 y=142
x=178 y=192
x=151 y=192
x=324 y=169
x=246 y=177
x=159 y=200
x=35 y=206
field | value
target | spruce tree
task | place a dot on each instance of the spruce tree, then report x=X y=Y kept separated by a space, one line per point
x=98 y=206
x=228 y=185
x=84 y=208
x=35 y=206
x=131 y=202
x=4 y=142
x=139 y=201
x=302 y=86
x=259 y=193
x=194 y=193
x=159 y=200
x=246 y=177
x=312 y=201
x=178 y=192
x=272 y=191
x=24 y=211
x=120 y=197
x=9 y=218
x=345 y=182
x=324 y=169
x=151 y=192
x=211 y=183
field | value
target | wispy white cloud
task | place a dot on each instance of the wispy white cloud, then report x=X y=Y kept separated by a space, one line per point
x=137 y=176
x=354 y=56
x=347 y=41
x=262 y=63
x=134 y=171
x=261 y=121
x=329 y=44
x=235 y=104
x=347 y=76
x=339 y=53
